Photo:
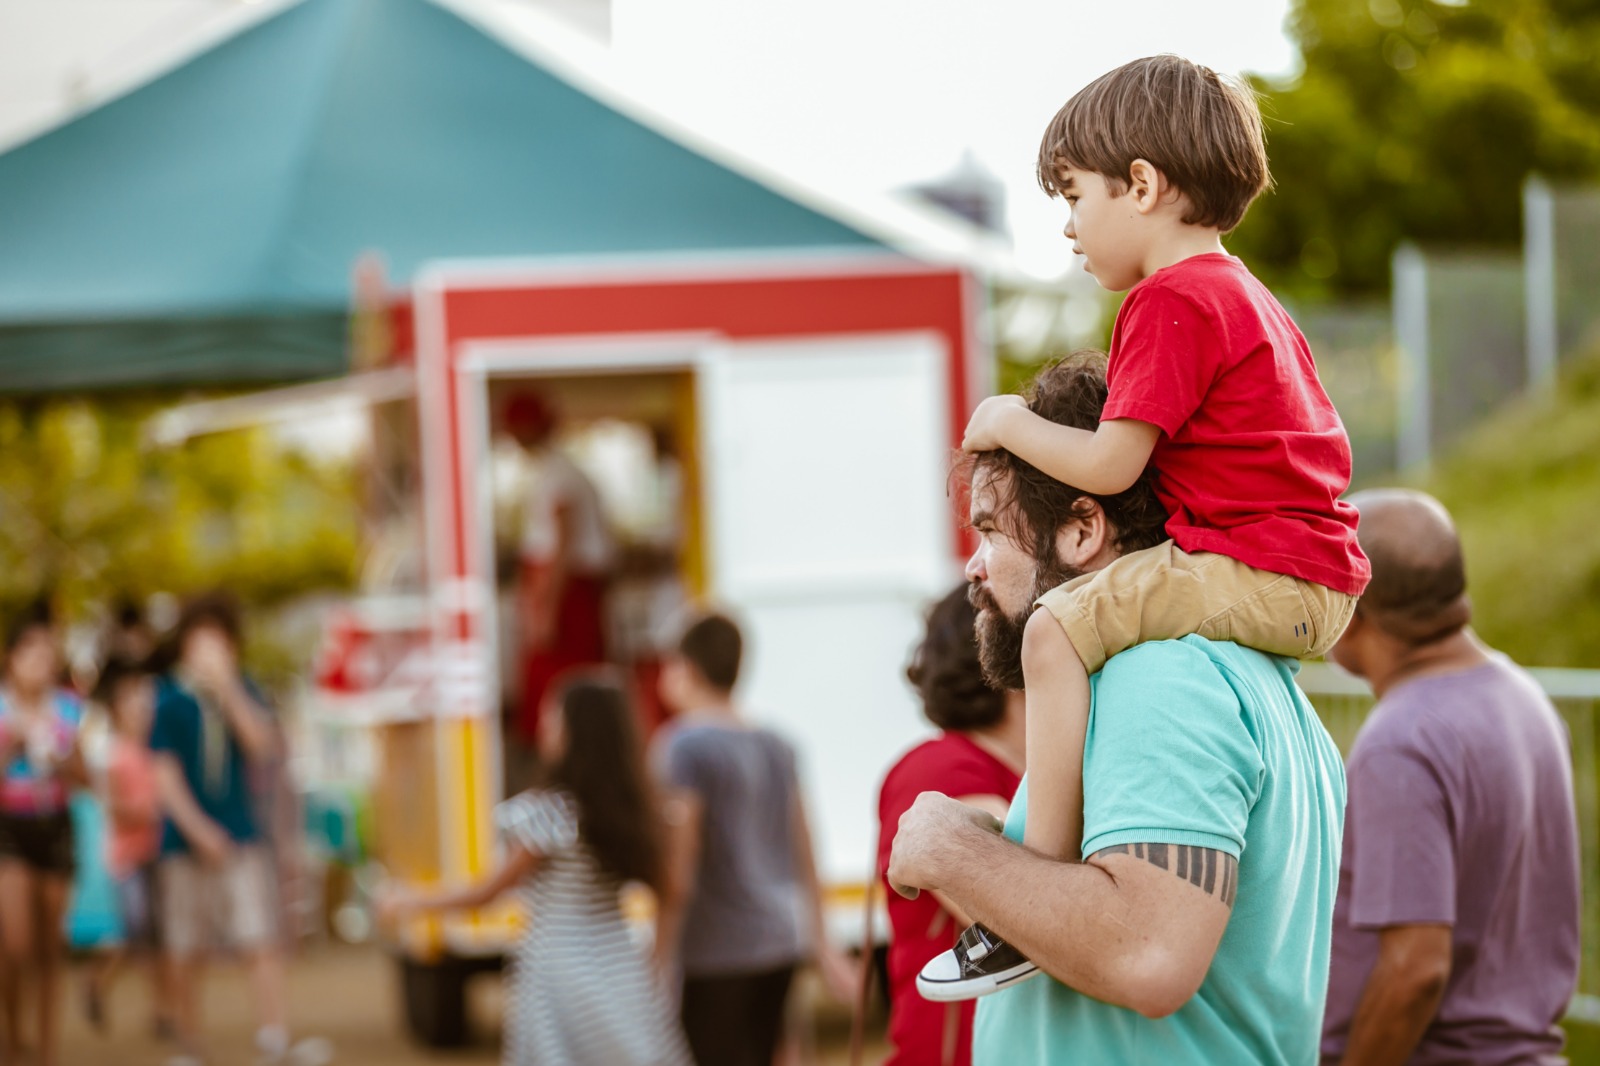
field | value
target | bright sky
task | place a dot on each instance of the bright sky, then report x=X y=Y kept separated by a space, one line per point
x=878 y=94
x=853 y=95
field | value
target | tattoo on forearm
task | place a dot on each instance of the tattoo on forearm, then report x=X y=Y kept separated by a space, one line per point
x=1214 y=872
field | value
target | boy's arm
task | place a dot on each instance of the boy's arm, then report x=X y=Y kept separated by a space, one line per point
x=1106 y=461
x=684 y=814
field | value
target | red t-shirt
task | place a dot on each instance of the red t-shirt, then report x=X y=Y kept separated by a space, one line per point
x=919 y=928
x=1252 y=458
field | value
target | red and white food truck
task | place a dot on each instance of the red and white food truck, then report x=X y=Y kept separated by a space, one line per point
x=816 y=403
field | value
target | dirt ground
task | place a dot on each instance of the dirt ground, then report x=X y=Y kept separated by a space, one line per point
x=348 y=996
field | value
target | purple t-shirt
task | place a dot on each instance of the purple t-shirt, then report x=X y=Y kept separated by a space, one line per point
x=1461 y=813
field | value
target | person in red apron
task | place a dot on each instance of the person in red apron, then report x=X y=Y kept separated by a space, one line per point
x=567 y=553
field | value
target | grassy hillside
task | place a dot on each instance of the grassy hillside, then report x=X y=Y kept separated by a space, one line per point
x=1525 y=489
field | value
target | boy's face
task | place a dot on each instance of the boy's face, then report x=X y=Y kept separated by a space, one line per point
x=1105 y=228
x=136 y=706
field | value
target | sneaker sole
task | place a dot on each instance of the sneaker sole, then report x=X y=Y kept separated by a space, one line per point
x=974 y=987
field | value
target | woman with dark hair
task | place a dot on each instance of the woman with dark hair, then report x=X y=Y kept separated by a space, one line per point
x=582 y=992
x=977 y=758
x=40 y=763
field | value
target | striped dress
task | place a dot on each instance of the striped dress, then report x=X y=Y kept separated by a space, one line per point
x=582 y=991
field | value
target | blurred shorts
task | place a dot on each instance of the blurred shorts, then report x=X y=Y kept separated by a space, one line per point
x=42 y=842
x=229 y=906
x=138 y=909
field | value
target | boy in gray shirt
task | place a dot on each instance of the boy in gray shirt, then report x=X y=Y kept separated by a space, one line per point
x=746 y=908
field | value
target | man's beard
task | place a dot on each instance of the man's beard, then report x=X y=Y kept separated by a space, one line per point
x=1000 y=634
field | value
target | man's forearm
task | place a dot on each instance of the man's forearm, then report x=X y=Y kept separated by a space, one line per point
x=1069 y=918
x=1396 y=1008
x=249 y=720
x=179 y=803
x=1137 y=925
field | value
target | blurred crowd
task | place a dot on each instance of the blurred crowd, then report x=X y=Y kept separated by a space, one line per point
x=145 y=816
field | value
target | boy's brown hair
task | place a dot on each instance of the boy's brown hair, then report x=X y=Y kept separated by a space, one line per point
x=712 y=644
x=1200 y=129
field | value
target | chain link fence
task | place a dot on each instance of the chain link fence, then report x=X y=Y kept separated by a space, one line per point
x=1561 y=251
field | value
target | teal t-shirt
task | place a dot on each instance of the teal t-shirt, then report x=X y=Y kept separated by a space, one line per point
x=1208 y=744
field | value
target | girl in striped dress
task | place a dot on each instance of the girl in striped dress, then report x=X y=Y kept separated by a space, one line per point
x=582 y=991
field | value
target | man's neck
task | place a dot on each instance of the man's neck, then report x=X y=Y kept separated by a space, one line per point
x=1182 y=242
x=1454 y=654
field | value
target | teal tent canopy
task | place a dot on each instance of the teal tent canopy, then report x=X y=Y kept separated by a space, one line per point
x=202 y=228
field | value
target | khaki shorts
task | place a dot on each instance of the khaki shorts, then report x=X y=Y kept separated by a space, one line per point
x=205 y=907
x=1164 y=593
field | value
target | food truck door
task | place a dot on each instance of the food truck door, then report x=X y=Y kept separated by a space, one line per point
x=826 y=462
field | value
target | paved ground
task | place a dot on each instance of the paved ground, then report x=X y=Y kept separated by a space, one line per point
x=348 y=996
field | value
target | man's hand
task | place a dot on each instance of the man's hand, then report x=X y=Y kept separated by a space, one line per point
x=922 y=841
x=984 y=428
x=211 y=660
x=211 y=845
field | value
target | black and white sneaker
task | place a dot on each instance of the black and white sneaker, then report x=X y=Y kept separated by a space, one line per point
x=979 y=964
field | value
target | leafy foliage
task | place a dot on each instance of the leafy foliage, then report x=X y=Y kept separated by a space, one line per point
x=90 y=514
x=1418 y=120
x=1525 y=491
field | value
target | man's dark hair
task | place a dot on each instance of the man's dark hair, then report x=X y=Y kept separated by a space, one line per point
x=713 y=645
x=1070 y=393
x=128 y=614
x=1200 y=129
x=219 y=609
x=945 y=670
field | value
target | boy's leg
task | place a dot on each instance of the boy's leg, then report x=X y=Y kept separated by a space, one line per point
x=1057 y=687
x=186 y=901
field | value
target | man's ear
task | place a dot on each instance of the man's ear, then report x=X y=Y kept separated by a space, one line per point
x=1084 y=536
x=1148 y=186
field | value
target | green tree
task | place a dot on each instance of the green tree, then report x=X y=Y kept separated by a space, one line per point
x=1525 y=491
x=90 y=513
x=1418 y=120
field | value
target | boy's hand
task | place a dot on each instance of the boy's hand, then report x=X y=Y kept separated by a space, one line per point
x=984 y=428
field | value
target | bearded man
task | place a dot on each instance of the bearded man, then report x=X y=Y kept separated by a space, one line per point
x=1196 y=928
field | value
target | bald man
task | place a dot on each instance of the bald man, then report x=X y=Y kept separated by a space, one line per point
x=1455 y=930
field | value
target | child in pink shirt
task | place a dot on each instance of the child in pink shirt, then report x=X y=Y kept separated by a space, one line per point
x=133 y=816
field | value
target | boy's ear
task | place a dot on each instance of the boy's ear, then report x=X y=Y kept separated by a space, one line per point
x=1147 y=185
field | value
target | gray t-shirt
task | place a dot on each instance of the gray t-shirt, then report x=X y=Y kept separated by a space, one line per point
x=745 y=915
x=1461 y=813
